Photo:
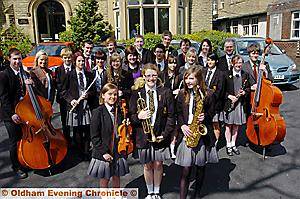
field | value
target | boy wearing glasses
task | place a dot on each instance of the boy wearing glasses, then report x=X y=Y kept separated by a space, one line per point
x=160 y=111
x=160 y=62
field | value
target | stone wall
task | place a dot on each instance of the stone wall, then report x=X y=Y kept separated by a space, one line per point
x=200 y=15
x=292 y=49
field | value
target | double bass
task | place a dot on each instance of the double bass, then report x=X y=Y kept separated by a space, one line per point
x=265 y=125
x=41 y=146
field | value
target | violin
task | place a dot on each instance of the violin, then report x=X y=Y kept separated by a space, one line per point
x=125 y=145
x=41 y=146
x=265 y=125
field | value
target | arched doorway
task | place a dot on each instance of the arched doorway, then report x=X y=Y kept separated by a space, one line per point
x=50 y=20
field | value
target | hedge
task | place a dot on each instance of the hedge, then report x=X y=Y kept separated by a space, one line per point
x=216 y=37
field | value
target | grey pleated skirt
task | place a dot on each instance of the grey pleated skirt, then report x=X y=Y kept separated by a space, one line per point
x=199 y=155
x=216 y=118
x=237 y=116
x=151 y=154
x=102 y=169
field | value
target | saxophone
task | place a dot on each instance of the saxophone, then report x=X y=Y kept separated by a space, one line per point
x=146 y=124
x=197 y=129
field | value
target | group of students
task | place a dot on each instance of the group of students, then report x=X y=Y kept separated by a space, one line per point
x=89 y=88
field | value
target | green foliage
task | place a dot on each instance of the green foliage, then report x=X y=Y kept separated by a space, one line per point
x=14 y=37
x=86 y=24
x=216 y=37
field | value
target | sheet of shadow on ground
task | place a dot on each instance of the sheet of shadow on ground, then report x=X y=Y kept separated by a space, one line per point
x=288 y=87
x=216 y=179
x=71 y=159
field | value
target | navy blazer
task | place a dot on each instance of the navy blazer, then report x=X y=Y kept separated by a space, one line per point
x=182 y=112
x=101 y=129
x=60 y=77
x=165 y=122
x=222 y=64
x=216 y=87
x=10 y=93
x=229 y=90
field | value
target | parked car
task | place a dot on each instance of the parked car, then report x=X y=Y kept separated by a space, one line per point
x=176 y=45
x=284 y=69
x=97 y=47
x=53 y=50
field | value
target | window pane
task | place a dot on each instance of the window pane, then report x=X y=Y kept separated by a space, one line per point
x=148 y=1
x=149 y=20
x=133 y=2
x=296 y=15
x=163 y=1
x=134 y=22
x=163 y=18
x=296 y=33
x=297 y=25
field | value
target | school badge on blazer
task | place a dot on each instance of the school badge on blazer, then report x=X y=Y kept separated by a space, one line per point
x=165 y=111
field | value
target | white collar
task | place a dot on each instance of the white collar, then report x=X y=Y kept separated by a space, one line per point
x=15 y=71
x=147 y=88
x=78 y=71
x=234 y=73
x=109 y=107
x=212 y=70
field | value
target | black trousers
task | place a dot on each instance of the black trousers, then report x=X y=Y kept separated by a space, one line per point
x=82 y=137
x=63 y=116
x=14 y=134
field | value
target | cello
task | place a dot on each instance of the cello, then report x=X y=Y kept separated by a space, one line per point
x=41 y=146
x=125 y=145
x=265 y=125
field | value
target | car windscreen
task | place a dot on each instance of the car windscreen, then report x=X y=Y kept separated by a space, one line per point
x=242 y=47
x=51 y=50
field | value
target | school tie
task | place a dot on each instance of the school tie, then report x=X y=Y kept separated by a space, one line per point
x=207 y=78
x=151 y=101
x=81 y=83
x=255 y=71
x=87 y=65
x=237 y=75
x=22 y=93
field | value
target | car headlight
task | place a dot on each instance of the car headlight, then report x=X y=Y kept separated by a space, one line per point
x=293 y=67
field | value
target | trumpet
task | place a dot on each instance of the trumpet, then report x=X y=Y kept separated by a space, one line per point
x=146 y=124
x=84 y=93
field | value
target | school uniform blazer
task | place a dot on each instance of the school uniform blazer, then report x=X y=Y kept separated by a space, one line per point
x=248 y=69
x=216 y=87
x=222 y=64
x=40 y=89
x=146 y=56
x=101 y=129
x=163 y=75
x=124 y=84
x=10 y=93
x=229 y=89
x=60 y=77
x=164 y=123
x=182 y=112
x=71 y=89
x=180 y=60
x=175 y=85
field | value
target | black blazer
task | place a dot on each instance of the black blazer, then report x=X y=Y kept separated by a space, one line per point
x=180 y=60
x=165 y=122
x=60 y=77
x=229 y=90
x=222 y=64
x=146 y=56
x=101 y=129
x=216 y=88
x=163 y=75
x=40 y=89
x=10 y=93
x=71 y=89
x=248 y=69
x=182 y=112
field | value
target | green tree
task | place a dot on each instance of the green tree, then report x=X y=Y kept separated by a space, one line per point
x=86 y=24
x=14 y=37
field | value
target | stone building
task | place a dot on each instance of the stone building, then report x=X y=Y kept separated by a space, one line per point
x=243 y=17
x=284 y=26
x=44 y=19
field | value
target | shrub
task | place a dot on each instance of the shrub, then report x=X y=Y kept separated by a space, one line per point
x=14 y=37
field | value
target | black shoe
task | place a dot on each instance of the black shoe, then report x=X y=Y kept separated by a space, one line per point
x=229 y=151
x=21 y=174
x=236 y=150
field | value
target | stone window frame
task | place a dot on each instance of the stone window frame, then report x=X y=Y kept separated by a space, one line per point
x=180 y=29
x=293 y=20
x=141 y=6
x=246 y=26
x=222 y=4
x=254 y=26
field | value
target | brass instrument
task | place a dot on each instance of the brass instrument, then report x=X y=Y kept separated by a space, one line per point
x=197 y=129
x=147 y=128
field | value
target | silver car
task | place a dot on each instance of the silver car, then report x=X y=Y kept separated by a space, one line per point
x=284 y=69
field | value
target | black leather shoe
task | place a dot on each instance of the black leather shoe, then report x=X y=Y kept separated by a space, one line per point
x=21 y=174
x=229 y=151
x=236 y=150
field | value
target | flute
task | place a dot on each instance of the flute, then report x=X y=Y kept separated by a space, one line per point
x=84 y=93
